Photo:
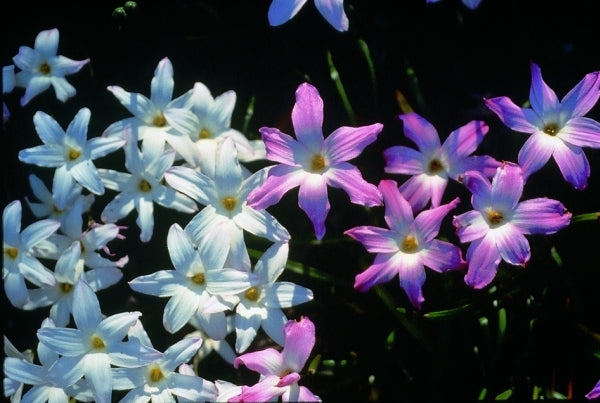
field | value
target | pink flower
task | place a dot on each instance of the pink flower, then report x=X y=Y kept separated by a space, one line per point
x=407 y=246
x=313 y=162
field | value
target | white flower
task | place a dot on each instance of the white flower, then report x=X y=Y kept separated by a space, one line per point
x=19 y=263
x=197 y=282
x=142 y=187
x=159 y=119
x=261 y=305
x=42 y=67
x=12 y=387
x=70 y=153
x=213 y=328
x=226 y=211
x=96 y=344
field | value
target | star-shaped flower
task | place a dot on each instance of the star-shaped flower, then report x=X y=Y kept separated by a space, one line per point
x=313 y=162
x=41 y=67
x=434 y=163
x=160 y=119
x=70 y=153
x=407 y=246
x=556 y=128
x=497 y=225
x=282 y=11
x=226 y=214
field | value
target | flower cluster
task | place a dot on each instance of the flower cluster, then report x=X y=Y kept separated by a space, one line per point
x=183 y=155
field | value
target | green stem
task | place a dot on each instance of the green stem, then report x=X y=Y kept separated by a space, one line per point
x=335 y=76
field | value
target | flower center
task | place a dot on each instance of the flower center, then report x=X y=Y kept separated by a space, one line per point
x=317 y=164
x=159 y=120
x=205 y=134
x=74 y=154
x=435 y=166
x=56 y=210
x=97 y=342
x=252 y=294
x=229 y=203
x=551 y=129
x=144 y=186
x=156 y=374
x=45 y=69
x=66 y=288
x=12 y=252
x=198 y=278
x=410 y=244
x=495 y=217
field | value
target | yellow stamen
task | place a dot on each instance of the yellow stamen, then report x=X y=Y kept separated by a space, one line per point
x=317 y=164
x=97 y=342
x=156 y=374
x=65 y=287
x=74 y=154
x=198 y=278
x=252 y=294
x=435 y=166
x=159 y=120
x=45 y=69
x=410 y=244
x=495 y=217
x=145 y=186
x=229 y=203
x=12 y=252
x=551 y=129
x=205 y=134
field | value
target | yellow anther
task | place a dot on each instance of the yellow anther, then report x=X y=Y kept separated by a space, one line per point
x=410 y=244
x=97 y=342
x=156 y=374
x=45 y=69
x=435 y=166
x=495 y=217
x=12 y=252
x=205 y=134
x=145 y=186
x=252 y=294
x=229 y=203
x=198 y=278
x=551 y=129
x=74 y=154
x=65 y=287
x=317 y=164
x=159 y=120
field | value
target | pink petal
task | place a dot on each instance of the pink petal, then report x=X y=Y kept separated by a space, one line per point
x=398 y=212
x=349 y=178
x=573 y=164
x=346 y=143
x=428 y=222
x=540 y=216
x=583 y=96
x=465 y=140
x=442 y=256
x=470 y=226
x=480 y=187
x=513 y=116
x=543 y=99
x=507 y=187
x=536 y=151
x=412 y=278
x=512 y=244
x=417 y=191
x=419 y=130
x=266 y=362
x=312 y=198
x=280 y=179
x=483 y=259
x=375 y=239
x=383 y=269
x=280 y=146
x=307 y=117
x=403 y=160
x=299 y=342
x=581 y=132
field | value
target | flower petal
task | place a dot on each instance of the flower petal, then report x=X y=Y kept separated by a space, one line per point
x=483 y=259
x=383 y=269
x=583 y=96
x=313 y=200
x=540 y=216
x=513 y=116
x=421 y=132
x=280 y=179
x=346 y=143
x=161 y=86
x=543 y=98
x=299 y=342
x=398 y=212
x=536 y=151
x=307 y=118
x=375 y=239
x=333 y=11
x=573 y=164
x=281 y=11
x=347 y=177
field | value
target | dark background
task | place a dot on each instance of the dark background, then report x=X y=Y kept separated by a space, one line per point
x=457 y=57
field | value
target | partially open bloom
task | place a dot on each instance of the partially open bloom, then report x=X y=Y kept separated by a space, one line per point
x=556 y=128
x=434 y=163
x=497 y=225
x=313 y=162
x=41 y=67
x=280 y=371
x=407 y=246
x=282 y=11
x=70 y=153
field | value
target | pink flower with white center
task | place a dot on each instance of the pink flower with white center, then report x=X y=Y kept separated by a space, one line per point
x=313 y=162
x=280 y=371
x=497 y=225
x=407 y=246
x=556 y=128
x=434 y=163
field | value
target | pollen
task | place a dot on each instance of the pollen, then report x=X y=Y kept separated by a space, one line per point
x=495 y=217
x=74 y=154
x=252 y=294
x=205 y=134
x=317 y=164
x=410 y=244
x=144 y=186
x=12 y=252
x=65 y=287
x=45 y=69
x=551 y=129
x=435 y=166
x=97 y=342
x=229 y=203
x=198 y=278
x=156 y=374
x=159 y=120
